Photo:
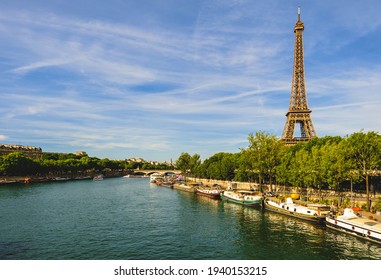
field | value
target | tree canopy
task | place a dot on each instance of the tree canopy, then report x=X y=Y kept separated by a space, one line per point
x=327 y=162
x=55 y=164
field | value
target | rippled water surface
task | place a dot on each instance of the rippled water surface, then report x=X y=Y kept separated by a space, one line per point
x=131 y=219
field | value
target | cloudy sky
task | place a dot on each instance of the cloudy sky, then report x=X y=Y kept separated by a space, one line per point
x=152 y=79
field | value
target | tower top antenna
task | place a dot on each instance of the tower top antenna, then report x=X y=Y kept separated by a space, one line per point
x=298 y=13
x=299 y=24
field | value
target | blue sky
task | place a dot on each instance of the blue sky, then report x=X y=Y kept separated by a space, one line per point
x=152 y=79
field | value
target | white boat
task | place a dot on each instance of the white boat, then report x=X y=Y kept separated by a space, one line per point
x=155 y=176
x=135 y=176
x=192 y=187
x=311 y=212
x=247 y=198
x=98 y=177
x=62 y=179
x=213 y=192
x=352 y=224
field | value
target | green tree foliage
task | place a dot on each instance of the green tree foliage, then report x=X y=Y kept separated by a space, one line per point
x=322 y=162
x=363 y=151
x=220 y=166
x=184 y=162
x=263 y=155
x=287 y=173
x=54 y=164
x=17 y=164
x=134 y=165
x=189 y=164
x=330 y=161
x=300 y=169
x=335 y=167
x=317 y=163
x=194 y=164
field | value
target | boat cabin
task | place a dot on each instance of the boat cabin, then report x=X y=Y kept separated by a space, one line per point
x=319 y=207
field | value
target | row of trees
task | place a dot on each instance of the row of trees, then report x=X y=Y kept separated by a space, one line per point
x=322 y=162
x=16 y=164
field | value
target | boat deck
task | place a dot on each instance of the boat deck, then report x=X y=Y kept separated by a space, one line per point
x=364 y=222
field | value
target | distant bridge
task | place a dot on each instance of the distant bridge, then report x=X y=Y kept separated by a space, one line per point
x=149 y=172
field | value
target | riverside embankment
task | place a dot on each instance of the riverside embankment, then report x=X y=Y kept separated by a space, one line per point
x=61 y=176
x=339 y=199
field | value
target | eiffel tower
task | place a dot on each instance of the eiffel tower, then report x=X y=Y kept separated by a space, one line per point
x=298 y=114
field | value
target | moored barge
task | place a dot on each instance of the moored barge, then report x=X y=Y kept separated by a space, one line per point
x=311 y=212
x=247 y=198
x=213 y=192
x=355 y=225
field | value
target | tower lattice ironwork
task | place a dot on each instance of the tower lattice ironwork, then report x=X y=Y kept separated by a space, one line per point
x=298 y=114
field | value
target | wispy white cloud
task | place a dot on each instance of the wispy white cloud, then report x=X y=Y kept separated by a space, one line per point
x=123 y=88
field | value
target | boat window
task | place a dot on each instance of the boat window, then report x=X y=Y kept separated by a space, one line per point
x=294 y=209
x=308 y=211
x=370 y=223
x=287 y=207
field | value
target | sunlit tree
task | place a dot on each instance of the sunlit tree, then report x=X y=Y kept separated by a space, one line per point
x=263 y=155
x=364 y=150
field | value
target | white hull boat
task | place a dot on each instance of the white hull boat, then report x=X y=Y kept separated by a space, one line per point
x=135 y=176
x=155 y=177
x=361 y=227
x=311 y=212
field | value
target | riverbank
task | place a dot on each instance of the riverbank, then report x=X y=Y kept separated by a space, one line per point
x=338 y=199
x=28 y=180
x=8 y=180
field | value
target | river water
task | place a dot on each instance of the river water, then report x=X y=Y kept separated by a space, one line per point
x=130 y=219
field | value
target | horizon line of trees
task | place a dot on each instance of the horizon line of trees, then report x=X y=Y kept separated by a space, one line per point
x=333 y=162
x=53 y=164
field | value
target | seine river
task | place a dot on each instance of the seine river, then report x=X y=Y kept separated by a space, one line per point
x=129 y=219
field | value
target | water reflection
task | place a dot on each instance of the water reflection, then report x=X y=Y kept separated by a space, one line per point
x=257 y=234
x=351 y=247
x=130 y=219
x=208 y=200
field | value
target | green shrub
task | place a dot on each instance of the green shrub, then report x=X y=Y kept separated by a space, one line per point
x=377 y=206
